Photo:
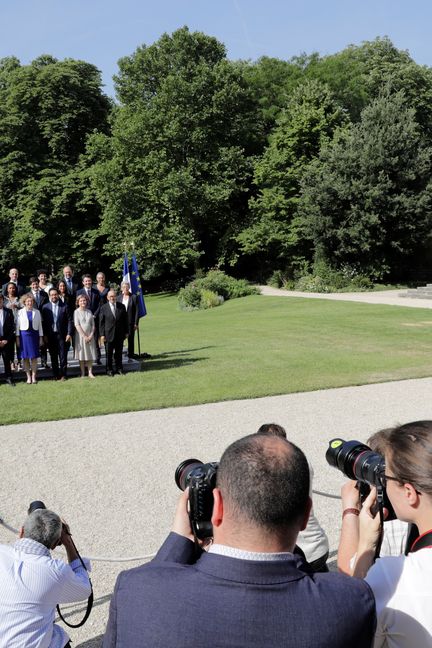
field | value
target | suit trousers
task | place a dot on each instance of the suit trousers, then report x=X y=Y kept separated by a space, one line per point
x=114 y=348
x=6 y=352
x=58 y=349
x=131 y=343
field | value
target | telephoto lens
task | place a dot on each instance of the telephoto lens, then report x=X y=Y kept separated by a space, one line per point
x=34 y=506
x=184 y=470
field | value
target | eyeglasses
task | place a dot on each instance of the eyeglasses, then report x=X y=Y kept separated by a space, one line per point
x=385 y=478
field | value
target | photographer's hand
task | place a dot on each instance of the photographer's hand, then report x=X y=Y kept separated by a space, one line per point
x=181 y=523
x=66 y=541
x=370 y=532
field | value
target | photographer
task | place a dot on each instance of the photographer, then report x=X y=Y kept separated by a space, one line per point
x=248 y=590
x=402 y=585
x=395 y=532
x=32 y=583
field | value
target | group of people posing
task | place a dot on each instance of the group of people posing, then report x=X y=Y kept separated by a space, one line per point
x=46 y=317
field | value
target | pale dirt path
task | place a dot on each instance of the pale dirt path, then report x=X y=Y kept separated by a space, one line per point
x=112 y=476
x=388 y=297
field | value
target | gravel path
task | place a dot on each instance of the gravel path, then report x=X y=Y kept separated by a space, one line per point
x=112 y=477
x=388 y=297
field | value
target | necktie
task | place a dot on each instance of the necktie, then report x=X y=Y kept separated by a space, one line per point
x=69 y=284
x=55 y=318
x=113 y=309
x=1 y=322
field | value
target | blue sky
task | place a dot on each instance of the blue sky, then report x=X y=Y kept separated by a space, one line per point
x=102 y=31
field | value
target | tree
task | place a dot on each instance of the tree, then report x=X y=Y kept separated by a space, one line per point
x=367 y=200
x=174 y=179
x=307 y=123
x=47 y=209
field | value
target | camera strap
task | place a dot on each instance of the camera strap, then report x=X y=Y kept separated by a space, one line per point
x=424 y=541
x=89 y=600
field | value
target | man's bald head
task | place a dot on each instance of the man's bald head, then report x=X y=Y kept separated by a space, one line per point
x=264 y=480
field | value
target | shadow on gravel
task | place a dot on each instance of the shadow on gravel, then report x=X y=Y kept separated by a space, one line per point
x=96 y=642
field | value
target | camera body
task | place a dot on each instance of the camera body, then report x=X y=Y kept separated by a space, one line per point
x=201 y=479
x=357 y=461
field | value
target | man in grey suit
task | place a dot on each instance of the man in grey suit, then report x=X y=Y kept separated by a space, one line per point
x=248 y=589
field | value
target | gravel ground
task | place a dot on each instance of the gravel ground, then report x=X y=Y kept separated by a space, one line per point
x=112 y=477
x=389 y=297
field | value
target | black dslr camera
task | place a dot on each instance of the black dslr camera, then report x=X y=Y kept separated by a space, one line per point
x=357 y=461
x=201 y=479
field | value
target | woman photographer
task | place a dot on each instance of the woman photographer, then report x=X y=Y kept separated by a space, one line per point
x=402 y=585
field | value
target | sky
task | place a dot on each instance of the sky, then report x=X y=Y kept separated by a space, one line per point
x=102 y=31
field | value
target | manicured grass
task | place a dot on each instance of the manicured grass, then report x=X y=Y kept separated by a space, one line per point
x=255 y=346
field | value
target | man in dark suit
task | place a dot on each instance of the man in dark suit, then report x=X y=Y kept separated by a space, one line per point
x=71 y=283
x=94 y=304
x=249 y=589
x=113 y=329
x=129 y=301
x=57 y=327
x=7 y=337
x=13 y=277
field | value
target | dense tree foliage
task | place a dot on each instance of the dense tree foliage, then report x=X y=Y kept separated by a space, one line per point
x=47 y=206
x=367 y=199
x=178 y=167
x=248 y=166
x=302 y=129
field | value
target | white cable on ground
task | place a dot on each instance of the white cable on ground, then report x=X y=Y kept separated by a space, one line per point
x=136 y=558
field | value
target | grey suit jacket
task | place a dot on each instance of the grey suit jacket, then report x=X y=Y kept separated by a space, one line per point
x=217 y=601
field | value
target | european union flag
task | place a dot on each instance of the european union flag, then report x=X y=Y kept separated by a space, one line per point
x=136 y=287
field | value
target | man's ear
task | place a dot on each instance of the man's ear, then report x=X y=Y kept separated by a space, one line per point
x=305 y=518
x=21 y=533
x=218 y=509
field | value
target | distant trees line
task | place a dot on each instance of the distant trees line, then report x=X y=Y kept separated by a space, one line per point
x=254 y=167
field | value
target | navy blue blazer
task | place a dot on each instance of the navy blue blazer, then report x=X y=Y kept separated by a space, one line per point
x=221 y=602
x=95 y=300
x=64 y=320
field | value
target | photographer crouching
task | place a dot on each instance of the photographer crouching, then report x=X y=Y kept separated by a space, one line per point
x=32 y=583
x=249 y=589
x=401 y=483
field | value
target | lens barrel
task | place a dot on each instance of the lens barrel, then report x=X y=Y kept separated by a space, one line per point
x=183 y=471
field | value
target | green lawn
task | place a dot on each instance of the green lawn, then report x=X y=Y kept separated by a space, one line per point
x=255 y=346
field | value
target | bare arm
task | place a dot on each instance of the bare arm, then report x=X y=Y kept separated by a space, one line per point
x=349 y=538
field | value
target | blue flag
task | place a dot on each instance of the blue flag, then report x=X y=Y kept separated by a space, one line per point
x=136 y=288
x=126 y=275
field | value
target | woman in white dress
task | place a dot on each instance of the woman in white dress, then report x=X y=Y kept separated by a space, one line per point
x=85 y=346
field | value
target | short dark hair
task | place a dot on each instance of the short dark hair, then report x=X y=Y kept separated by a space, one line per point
x=32 y=279
x=272 y=429
x=52 y=289
x=42 y=271
x=266 y=480
x=86 y=276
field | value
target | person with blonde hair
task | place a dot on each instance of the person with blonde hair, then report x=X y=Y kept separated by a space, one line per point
x=29 y=336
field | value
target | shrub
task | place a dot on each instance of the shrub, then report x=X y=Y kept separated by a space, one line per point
x=190 y=297
x=211 y=290
x=210 y=299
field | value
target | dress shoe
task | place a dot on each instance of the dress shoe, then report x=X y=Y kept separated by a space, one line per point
x=121 y=372
x=110 y=373
x=10 y=382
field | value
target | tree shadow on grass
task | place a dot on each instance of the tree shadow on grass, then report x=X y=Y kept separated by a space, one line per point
x=173 y=359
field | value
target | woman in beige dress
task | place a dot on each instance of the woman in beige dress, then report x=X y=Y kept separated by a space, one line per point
x=85 y=346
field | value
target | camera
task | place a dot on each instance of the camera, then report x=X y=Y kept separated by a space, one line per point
x=201 y=479
x=357 y=461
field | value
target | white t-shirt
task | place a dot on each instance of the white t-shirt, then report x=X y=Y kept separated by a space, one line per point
x=402 y=586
